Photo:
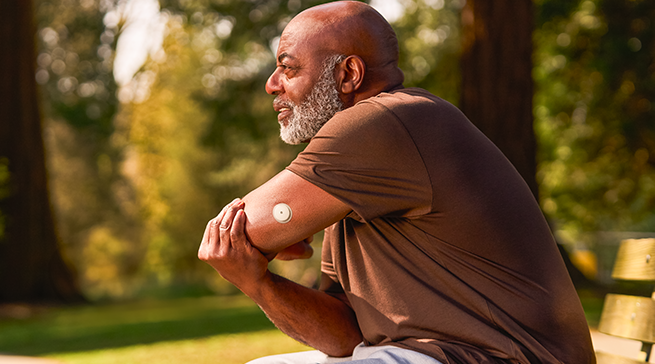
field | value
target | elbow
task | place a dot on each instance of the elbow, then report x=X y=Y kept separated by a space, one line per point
x=343 y=351
x=344 y=345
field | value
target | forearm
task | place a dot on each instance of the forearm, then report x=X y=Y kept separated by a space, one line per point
x=313 y=317
x=308 y=315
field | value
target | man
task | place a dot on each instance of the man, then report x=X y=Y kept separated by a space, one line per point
x=435 y=250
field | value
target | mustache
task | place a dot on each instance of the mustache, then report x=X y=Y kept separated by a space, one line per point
x=279 y=103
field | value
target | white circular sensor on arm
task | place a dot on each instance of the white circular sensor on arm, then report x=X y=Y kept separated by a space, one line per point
x=282 y=213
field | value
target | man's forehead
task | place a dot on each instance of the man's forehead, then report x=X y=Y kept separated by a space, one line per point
x=295 y=45
x=287 y=52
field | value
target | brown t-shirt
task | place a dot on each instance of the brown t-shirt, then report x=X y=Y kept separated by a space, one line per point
x=446 y=251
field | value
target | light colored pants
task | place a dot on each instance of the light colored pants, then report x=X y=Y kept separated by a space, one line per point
x=362 y=355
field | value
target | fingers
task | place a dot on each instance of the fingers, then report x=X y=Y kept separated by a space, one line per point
x=229 y=213
x=211 y=234
x=226 y=222
x=237 y=232
x=225 y=247
x=211 y=225
x=239 y=225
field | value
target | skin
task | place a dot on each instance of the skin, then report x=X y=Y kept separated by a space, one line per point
x=244 y=237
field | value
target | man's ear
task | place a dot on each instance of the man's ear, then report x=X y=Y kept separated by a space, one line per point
x=351 y=74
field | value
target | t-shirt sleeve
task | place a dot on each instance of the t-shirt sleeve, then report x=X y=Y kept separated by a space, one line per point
x=365 y=157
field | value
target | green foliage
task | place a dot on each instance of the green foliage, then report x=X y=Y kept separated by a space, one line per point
x=138 y=169
x=211 y=140
x=428 y=35
x=77 y=42
x=594 y=119
x=134 y=187
x=75 y=62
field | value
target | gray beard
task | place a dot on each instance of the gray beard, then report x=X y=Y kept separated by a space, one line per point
x=319 y=106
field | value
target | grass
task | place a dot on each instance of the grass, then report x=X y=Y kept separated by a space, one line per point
x=228 y=349
x=226 y=330
x=192 y=330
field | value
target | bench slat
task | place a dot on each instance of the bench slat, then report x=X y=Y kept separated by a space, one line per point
x=635 y=260
x=631 y=317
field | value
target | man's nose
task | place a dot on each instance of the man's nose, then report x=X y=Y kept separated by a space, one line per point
x=273 y=85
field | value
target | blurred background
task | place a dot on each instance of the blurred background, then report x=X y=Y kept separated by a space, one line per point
x=127 y=124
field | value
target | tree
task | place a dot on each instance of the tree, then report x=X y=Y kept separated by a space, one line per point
x=31 y=266
x=497 y=87
x=496 y=71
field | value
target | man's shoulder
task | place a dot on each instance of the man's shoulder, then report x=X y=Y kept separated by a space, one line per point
x=413 y=98
x=406 y=95
x=380 y=118
x=384 y=115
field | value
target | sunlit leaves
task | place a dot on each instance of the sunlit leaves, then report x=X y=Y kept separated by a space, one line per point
x=194 y=129
x=75 y=62
x=593 y=113
x=136 y=181
x=429 y=42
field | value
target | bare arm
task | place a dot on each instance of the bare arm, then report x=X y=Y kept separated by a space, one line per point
x=312 y=210
x=315 y=318
x=312 y=317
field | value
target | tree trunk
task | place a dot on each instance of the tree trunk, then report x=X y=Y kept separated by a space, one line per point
x=497 y=86
x=31 y=266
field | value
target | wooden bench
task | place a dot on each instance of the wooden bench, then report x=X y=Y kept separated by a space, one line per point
x=628 y=316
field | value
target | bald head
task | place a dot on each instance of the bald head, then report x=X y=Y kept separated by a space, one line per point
x=350 y=28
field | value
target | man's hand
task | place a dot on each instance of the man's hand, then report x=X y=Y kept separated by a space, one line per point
x=224 y=246
x=301 y=250
x=295 y=309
